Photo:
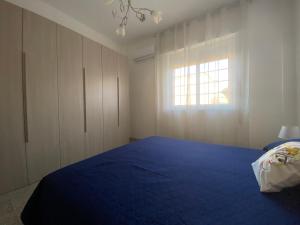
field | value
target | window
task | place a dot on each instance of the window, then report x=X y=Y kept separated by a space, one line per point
x=203 y=84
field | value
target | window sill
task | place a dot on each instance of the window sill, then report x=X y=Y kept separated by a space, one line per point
x=225 y=107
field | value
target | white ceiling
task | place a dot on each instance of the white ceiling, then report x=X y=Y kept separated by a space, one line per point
x=96 y=15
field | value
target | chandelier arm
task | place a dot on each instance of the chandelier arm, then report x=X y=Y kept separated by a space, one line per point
x=144 y=9
x=124 y=19
x=138 y=13
x=125 y=8
x=121 y=6
x=139 y=10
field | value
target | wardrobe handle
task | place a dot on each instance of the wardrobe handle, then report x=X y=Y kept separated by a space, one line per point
x=84 y=99
x=118 y=94
x=24 y=90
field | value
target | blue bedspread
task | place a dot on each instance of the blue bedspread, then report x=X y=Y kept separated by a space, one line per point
x=161 y=181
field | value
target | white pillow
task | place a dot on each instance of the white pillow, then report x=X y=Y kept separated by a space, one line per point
x=278 y=168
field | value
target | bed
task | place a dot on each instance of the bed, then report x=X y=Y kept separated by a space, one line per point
x=161 y=181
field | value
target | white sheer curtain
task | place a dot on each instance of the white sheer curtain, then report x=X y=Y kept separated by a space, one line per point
x=202 y=78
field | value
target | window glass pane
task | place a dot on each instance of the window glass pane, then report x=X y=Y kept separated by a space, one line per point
x=203 y=99
x=223 y=64
x=193 y=69
x=223 y=75
x=177 y=72
x=223 y=86
x=183 y=80
x=183 y=100
x=213 y=76
x=213 y=87
x=210 y=86
x=182 y=71
x=223 y=99
x=193 y=79
x=204 y=89
x=212 y=66
x=177 y=90
x=203 y=78
x=177 y=100
x=177 y=81
x=203 y=67
x=224 y=92
x=183 y=91
x=193 y=100
x=193 y=89
x=213 y=99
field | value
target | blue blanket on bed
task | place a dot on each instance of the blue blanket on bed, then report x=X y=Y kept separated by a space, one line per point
x=161 y=181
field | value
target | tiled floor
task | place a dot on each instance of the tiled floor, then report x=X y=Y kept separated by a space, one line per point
x=11 y=205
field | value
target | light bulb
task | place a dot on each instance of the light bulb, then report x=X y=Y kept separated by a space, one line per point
x=157 y=16
x=118 y=31
x=121 y=31
x=108 y=2
x=114 y=13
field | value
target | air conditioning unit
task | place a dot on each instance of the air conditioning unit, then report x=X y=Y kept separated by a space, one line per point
x=144 y=52
x=144 y=58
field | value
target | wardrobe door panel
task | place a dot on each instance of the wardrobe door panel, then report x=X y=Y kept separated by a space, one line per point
x=124 y=110
x=12 y=143
x=39 y=46
x=93 y=96
x=110 y=99
x=71 y=110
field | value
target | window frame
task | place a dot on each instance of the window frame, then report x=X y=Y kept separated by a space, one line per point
x=225 y=106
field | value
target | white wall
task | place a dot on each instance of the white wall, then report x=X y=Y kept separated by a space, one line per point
x=272 y=69
x=272 y=74
x=297 y=25
x=142 y=98
x=142 y=89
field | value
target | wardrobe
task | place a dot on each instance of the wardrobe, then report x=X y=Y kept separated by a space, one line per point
x=115 y=99
x=63 y=97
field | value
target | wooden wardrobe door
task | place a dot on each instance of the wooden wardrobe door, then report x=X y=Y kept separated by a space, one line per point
x=71 y=110
x=39 y=46
x=12 y=143
x=124 y=110
x=110 y=99
x=93 y=96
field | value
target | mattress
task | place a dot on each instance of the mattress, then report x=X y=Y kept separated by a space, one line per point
x=161 y=181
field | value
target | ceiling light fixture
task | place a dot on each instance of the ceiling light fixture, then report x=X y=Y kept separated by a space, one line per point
x=140 y=13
